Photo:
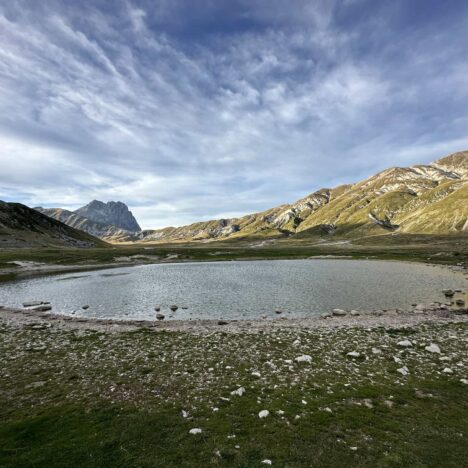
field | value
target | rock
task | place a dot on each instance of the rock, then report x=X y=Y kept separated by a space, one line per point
x=433 y=348
x=405 y=344
x=420 y=307
x=403 y=370
x=464 y=381
x=160 y=316
x=239 y=392
x=195 y=430
x=355 y=313
x=278 y=311
x=326 y=315
x=32 y=303
x=37 y=348
x=157 y=308
x=256 y=374
x=2 y=307
x=353 y=354
x=222 y=322
x=296 y=343
x=85 y=307
x=338 y=312
x=266 y=462
x=184 y=414
x=263 y=414
x=42 y=308
x=460 y=302
x=447 y=370
x=173 y=307
x=303 y=358
x=184 y=307
x=448 y=292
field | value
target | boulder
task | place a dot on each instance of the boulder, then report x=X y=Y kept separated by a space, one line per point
x=405 y=344
x=338 y=312
x=222 y=322
x=157 y=308
x=32 y=303
x=433 y=348
x=448 y=292
x=42 y=308
x=460 y=302
x=303 y=358
x=355 y=313
x=85 y=307
x=160 y=316
x=239 y=392
x=173 y=307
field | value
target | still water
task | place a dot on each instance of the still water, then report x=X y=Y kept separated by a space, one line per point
x=236 y=290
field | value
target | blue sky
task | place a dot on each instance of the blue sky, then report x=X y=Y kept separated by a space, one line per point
x=197 y=109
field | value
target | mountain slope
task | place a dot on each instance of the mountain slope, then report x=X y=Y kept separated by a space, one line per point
x=428 y=199
x=423 y=199
x=21 y=226
x=111 y=213
x=106 y=232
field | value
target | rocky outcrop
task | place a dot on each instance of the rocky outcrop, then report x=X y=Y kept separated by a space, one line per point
x=110 y=213
x=106 y=232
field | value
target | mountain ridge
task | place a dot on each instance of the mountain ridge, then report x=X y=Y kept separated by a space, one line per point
x=423 y=198
x=24 y=227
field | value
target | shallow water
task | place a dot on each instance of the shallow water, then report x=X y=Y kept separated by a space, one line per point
x=237 y=290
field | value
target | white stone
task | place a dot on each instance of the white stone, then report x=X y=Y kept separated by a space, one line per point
x=403 y=370
x=263 y=414
x=432 y=348
x=304 y=358
x=256 y=374
x=447 y=370
x=353 y=354
x=195 y=430
x=405 y=344
x=266 y=462
x=184 y=414
x=296 y=343
x=464 y=381
x=239 y=392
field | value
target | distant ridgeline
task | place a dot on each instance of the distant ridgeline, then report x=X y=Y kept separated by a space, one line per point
x=423 y=199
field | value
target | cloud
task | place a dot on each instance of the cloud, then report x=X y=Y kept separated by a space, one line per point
x=191 y=110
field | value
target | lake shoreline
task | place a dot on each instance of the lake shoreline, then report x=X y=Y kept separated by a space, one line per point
x=366 y=319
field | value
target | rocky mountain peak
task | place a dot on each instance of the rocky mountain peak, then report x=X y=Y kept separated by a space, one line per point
x=113 y=213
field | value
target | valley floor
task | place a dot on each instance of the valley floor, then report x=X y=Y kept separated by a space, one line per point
x=20 y=263
x=73 y=394
x=77 y=393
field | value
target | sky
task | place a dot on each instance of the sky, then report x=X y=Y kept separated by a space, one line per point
x=190 y=110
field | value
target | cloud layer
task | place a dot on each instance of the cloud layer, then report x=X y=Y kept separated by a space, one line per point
x=190 y=110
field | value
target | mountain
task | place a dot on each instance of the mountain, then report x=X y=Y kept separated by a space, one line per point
x=427 y=199
x=21 y=226
x=424 y=199
x=106 y=232
x=111 y=213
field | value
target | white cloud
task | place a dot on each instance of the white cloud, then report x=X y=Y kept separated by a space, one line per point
x=112 y=105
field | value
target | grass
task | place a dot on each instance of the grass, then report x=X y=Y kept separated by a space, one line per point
x=115 y=399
